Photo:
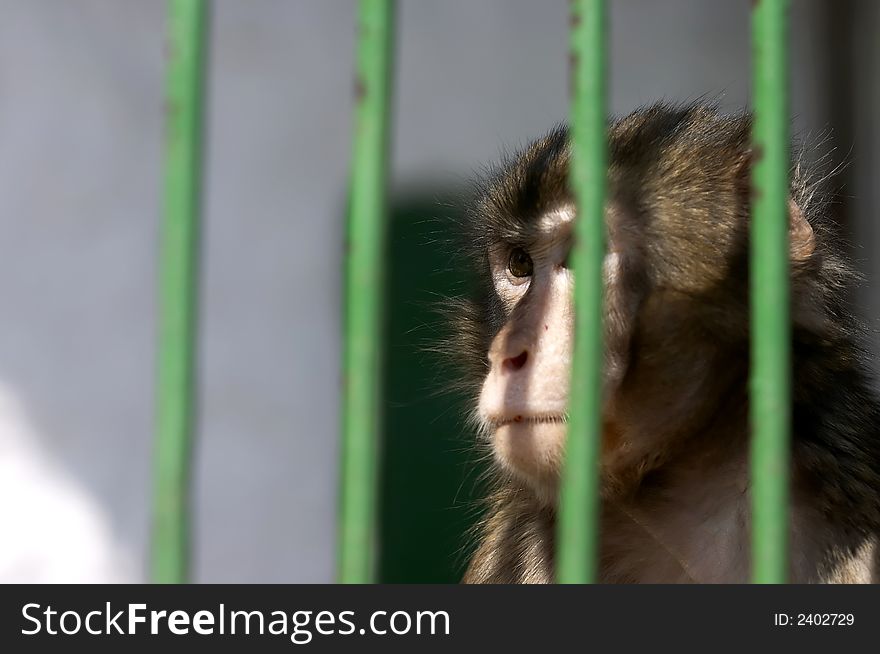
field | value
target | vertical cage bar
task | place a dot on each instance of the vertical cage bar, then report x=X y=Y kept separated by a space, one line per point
x=770 y=326
x=579 y=493
x=178 y=290
x=364 y=293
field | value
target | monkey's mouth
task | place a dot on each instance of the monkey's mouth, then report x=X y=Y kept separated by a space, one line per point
x=523 y=419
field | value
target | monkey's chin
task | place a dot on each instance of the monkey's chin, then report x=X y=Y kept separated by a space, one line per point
x=532 y=450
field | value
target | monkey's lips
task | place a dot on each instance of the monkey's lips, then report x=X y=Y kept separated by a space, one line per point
x=528 y=419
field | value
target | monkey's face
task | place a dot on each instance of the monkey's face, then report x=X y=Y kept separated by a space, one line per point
x=675 y=314
x=524 y=398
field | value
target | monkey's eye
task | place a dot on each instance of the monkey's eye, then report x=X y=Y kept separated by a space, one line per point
x=520 y=263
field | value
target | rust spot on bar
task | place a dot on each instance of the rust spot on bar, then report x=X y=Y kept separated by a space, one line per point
x=756 y=156
x=360 y=90
x=757 y=153
x=754 y=192
x=573 y=62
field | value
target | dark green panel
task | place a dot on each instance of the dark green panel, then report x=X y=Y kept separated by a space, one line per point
x=429 y=486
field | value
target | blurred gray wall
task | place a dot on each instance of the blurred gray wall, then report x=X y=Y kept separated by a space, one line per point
x=80 y=165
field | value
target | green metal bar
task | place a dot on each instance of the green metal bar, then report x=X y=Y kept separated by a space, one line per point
x=579 y=494
x=770 y=325
x=178 y=291
x=364 y=294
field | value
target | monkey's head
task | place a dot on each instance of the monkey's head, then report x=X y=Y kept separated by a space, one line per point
x=676 y=291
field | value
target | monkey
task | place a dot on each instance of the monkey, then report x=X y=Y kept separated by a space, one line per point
x=674 y=448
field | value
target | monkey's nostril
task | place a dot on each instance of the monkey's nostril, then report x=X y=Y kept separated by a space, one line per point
x=516 y=363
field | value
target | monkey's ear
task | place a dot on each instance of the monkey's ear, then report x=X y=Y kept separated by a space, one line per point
x=802 y=240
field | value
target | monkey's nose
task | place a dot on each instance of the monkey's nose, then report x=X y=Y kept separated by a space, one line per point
x=513 y=364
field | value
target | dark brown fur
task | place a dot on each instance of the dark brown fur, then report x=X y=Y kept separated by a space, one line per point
x=676 y=431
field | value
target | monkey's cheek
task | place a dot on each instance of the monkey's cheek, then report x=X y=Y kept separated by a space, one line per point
x=532 y=452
